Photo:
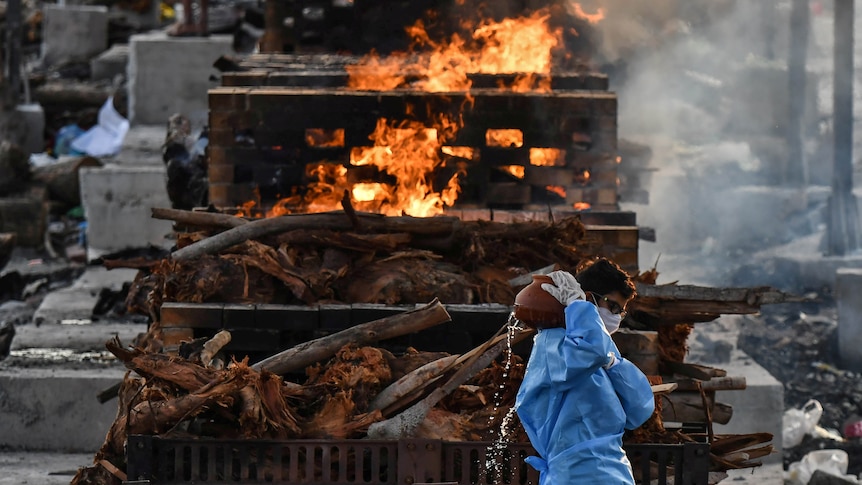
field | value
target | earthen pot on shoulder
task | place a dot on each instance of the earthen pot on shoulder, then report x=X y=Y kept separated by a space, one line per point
x=537 y=308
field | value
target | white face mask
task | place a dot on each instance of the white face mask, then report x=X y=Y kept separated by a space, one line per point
x=611 y=321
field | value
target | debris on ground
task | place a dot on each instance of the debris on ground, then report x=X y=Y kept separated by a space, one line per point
x=797 y=344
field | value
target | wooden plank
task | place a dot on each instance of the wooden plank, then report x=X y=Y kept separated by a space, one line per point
x=749 y=296
x=695 y=371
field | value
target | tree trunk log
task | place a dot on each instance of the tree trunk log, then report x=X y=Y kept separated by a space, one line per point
x=404 y=424
x=412 y=381
x=319 y=349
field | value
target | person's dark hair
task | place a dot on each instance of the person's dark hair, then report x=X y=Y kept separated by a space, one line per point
x=603 y=276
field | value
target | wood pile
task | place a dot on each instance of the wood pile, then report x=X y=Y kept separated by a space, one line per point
x=351 y=385
x=352 y=257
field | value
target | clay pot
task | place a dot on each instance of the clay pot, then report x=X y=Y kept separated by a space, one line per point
x=537 y=308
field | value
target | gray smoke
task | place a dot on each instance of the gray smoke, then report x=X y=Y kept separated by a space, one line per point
x=707 y=89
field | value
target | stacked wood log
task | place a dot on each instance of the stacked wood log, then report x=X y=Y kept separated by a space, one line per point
x=352 y=257
x=354 y=388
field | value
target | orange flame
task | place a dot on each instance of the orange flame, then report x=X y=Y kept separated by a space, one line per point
x=577 y=10
x=409 y=152
x=513 y=45
x=504 y=138
x=581 y=206
x=517 y=171
x=460 y=152
x=547 y=157
x=319 y=137
x=557 y=189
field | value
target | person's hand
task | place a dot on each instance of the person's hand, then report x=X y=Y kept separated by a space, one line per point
x=565 y=289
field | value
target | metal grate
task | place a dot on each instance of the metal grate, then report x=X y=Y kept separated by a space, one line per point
x=156 y=460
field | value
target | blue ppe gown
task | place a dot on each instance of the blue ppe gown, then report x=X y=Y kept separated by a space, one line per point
x=575 y=411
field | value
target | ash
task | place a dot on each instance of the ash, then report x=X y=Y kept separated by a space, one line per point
x=797 y=344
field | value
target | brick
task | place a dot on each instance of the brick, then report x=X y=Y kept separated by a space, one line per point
x=607 y=196
x=508 y=193
x=480 y=320
x=191 y=315
x=245 y=340
x=220 y=173
x=511 y=216
x=287 y=317
x=220 y=195
x=237 y=316
x=175 y=336
x=335 y=317
x=549 y=175
x=222 y=137
x=228 y=99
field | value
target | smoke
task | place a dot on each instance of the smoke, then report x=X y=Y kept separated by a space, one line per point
x=704 y=84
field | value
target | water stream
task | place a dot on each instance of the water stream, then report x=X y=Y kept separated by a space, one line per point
x=495 y=459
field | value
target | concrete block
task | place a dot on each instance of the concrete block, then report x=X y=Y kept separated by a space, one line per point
x=56 y=409
x=759 y=407
x=111 y=63
x=848 y=284
x=33 y=117
x=73 y=33
x=170 y=75
x=76 y=302
x=117 y=201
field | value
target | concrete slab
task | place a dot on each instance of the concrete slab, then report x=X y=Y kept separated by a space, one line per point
x=73 y=33
x=111 y=63
x=170 y=75
x=759 y=407
x=74 y=304
x=142 y=146
x=56 y=409
x=117 y=201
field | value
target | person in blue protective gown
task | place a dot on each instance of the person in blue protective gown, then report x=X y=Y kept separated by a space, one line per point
x=579 y=395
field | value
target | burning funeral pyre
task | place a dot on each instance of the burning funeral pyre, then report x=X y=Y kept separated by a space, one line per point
x=459 y=196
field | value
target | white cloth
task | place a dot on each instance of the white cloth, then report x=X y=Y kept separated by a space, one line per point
x=106 y=137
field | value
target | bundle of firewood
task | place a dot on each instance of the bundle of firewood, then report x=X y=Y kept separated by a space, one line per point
x=351 y=390
x=350 y=257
